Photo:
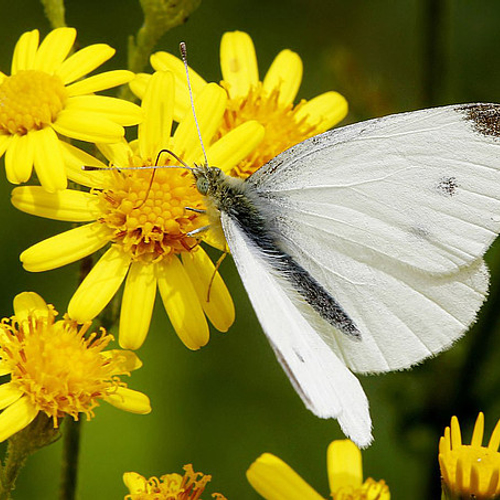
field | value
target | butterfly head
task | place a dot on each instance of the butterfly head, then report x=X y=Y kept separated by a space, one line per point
x=208 y=179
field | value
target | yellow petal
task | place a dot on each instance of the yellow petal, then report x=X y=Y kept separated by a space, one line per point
x=137 y=305
x=324 y=111
x=344 y=465
x=16 y=417
x=285 y=74
x=275 y=480
x=236 y=145
x=494 y=441
x=182 y=304
x=84 y=61
x=66 y=247
x=124 y=361
x=30 y=304
x=25 y=51
x=456 y=435
x=158 y=105
x=119 y=154
x=5 y=141
x=75 y=159
x=477 y=435
x=238 y=63
x=54 y=49
x=217 y=304
x=99 y=286
x=68 y=205
x=117 y=110
x=20 y=157
x=102 y=81
x=134 y=482
x=48 y=161
x=90 y=127
x=210 y=105
x=167 y=62
x=129 y=400
x=139 y=83
x=9 y=393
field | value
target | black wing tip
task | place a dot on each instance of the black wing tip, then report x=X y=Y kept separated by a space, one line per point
x=485 y=117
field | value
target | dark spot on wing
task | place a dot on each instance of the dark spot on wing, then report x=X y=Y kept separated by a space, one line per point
x=447 y=186
x=486 y=118
x=420 y=232
x=301 y=359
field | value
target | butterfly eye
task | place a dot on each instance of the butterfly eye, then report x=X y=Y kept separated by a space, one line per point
x=202 y=185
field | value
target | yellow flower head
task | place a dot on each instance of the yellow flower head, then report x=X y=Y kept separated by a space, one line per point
x=270 y=102
x=145 y=214
x=470 y=471
x=57 y=368
x=168 y=487
x=273 y=479
x=45 y=96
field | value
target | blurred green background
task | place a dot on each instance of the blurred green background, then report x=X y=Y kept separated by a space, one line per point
x=221 y=407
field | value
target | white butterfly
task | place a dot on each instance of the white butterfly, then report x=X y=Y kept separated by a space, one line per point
x=360 y=248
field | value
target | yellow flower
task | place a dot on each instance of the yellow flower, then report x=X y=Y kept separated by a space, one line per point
x=270 y=102
x=168 y=487
x=273 y=479
x=42 y=98
x=143 y=214
x=55 y=367
x=470 y=471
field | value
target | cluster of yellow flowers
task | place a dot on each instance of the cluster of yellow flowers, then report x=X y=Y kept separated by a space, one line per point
x=139 y=217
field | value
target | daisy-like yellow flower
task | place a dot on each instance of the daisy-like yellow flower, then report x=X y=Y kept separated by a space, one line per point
x=273 y=479
x=59 y=369
x=45 y=98
x=270 y=102
x=168 y=487
x=144 y=214
x=470 y=471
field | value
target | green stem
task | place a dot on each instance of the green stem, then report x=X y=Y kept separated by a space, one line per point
x=71 y=449
x=54 y=11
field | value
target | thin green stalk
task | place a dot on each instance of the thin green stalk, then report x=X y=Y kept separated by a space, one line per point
x=71 y=453
x=54 y=11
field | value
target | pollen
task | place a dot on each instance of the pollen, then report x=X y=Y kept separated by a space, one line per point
x=146 y=209
x=30 y=100
x=283 y=127
x=57 y=367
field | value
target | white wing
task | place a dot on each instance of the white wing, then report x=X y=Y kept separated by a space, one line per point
x=324 y=383
x=392 y=217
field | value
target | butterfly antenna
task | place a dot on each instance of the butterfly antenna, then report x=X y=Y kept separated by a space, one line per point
x=183 y=51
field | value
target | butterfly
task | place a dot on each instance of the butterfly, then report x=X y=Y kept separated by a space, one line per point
x=361 y=248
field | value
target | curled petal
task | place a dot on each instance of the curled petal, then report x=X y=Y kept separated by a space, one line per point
x=129 y=400
x=344 y=464
x=285 y=75
x=99 y=286
x=238 y=63
x=324 y=110
x=125 y=361
x=30 y=304
x=275 y=480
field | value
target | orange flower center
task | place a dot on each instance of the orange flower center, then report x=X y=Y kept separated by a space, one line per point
x=147 y=211
x=30 y=100
x=283 y=128
x=57 y=368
